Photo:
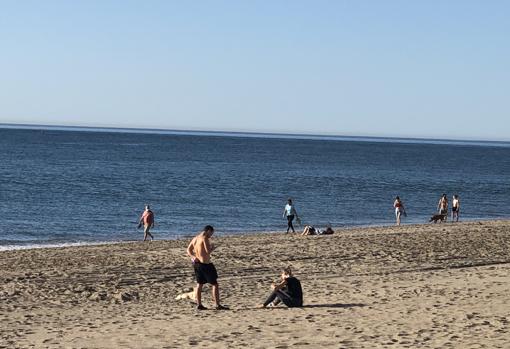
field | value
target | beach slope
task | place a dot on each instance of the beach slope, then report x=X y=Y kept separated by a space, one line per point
x=416 y=286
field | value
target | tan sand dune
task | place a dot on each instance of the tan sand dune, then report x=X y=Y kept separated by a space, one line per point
x=421 y=286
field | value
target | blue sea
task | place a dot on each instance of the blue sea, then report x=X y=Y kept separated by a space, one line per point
x=60 y=187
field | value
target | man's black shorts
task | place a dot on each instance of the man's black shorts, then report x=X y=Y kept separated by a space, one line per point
x=205 y=273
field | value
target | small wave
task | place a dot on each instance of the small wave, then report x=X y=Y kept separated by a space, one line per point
x=13 y=247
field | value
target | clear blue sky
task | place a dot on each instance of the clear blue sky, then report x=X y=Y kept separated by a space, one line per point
x=385 y=68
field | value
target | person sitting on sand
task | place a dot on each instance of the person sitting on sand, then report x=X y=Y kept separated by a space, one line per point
x=288 y=290
x=399 y=209
x=200 y=249
x=147 y=219
x=311 y=230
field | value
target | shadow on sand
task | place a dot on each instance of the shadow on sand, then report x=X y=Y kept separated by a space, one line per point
x=311 y=306
x=334 y=305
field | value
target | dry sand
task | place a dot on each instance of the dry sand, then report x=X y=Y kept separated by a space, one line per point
x=419 y=286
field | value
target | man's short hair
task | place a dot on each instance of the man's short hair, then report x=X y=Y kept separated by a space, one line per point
x=208 y=228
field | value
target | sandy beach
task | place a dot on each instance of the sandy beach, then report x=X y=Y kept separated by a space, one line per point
x=414 y=286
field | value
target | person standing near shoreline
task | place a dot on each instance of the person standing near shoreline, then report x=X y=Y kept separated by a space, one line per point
x=199 y=250
x=455 y=208
x=290 y=213
x=442 y=206
x=147 y=220
x=399 y=209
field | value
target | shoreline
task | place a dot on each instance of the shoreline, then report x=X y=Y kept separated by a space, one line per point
x=6 y=248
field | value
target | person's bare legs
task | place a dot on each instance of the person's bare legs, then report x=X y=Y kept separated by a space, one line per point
x=216 y=294
x=198 y=294
x=398 y=218
x=146 y=233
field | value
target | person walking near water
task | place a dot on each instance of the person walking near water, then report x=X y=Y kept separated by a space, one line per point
x=442 y=207
x=147 y=220
x=290 y=213
x=199 y=250
x=455 y=208
x=399 y=209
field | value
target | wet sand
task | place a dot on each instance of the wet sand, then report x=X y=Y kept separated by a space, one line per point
x=415 y=286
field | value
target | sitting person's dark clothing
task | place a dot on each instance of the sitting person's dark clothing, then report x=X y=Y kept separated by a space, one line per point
x=289 y=292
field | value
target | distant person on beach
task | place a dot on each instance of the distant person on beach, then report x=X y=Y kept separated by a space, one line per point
x=311 y=230
x=290 y=213
x=399 y=209
x=288 y=290
x=147 y=220
x=442 y=206
x=455 y=208
x=199 y=250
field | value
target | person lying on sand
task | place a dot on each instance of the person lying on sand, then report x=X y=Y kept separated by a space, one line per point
x=288 y=291
x=200 y=249
x=311 y=230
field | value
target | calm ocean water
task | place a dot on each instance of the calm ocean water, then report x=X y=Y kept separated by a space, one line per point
x=60 y=187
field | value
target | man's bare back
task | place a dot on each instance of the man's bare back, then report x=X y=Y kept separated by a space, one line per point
x=200 y=248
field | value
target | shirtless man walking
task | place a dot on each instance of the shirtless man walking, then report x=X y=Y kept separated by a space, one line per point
x=147 y=220
x=199 y=250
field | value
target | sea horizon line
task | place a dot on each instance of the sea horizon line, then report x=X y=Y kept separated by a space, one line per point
x=254 y=134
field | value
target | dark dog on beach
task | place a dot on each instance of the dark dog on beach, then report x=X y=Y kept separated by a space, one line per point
x=438 y=217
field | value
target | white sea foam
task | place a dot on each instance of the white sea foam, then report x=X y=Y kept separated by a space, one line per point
x=56 y=245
